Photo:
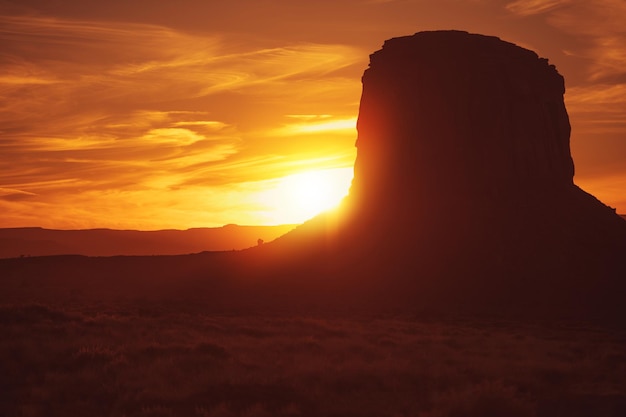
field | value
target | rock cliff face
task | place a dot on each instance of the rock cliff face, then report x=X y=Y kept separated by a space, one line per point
x=450 y=115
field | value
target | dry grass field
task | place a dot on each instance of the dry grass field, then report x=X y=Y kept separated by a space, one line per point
x=162 y=361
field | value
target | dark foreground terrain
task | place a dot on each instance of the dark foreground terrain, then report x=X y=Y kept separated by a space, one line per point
x=175 y=336
x=143 y=359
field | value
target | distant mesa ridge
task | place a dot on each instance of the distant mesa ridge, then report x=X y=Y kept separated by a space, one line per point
x=36 y=241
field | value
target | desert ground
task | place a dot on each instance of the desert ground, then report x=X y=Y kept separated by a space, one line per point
x=166 y=359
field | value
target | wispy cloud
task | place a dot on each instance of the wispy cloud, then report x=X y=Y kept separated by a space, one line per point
x=598 y=25
x=314 y=124
x=610 y=96
x=598 y=109
x=602 y=23
x=533 y=7
x=96 y=110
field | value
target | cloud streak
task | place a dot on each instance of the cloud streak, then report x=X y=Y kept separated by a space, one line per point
x=533 y=7
x=598 y=25
x=104 y=109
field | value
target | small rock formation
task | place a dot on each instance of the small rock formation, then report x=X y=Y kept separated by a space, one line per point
x=463 y=196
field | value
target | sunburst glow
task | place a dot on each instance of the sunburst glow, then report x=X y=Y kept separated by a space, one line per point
x=298 y=197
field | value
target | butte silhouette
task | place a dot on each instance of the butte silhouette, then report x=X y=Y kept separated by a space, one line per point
x=463 y=196
x=463 y=201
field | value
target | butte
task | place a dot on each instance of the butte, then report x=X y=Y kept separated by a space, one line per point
x=463 y=196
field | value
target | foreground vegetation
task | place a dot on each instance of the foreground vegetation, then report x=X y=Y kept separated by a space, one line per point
x=151 y=361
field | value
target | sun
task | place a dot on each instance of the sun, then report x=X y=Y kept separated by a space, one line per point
x=312 y=191
x=298 y=197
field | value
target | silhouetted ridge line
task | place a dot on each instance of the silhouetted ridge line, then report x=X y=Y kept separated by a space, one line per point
x=36 y=241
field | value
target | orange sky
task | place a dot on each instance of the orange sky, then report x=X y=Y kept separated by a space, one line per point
x=175 y=114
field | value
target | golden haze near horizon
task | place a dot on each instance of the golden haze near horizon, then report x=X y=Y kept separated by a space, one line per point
x=204 y=113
